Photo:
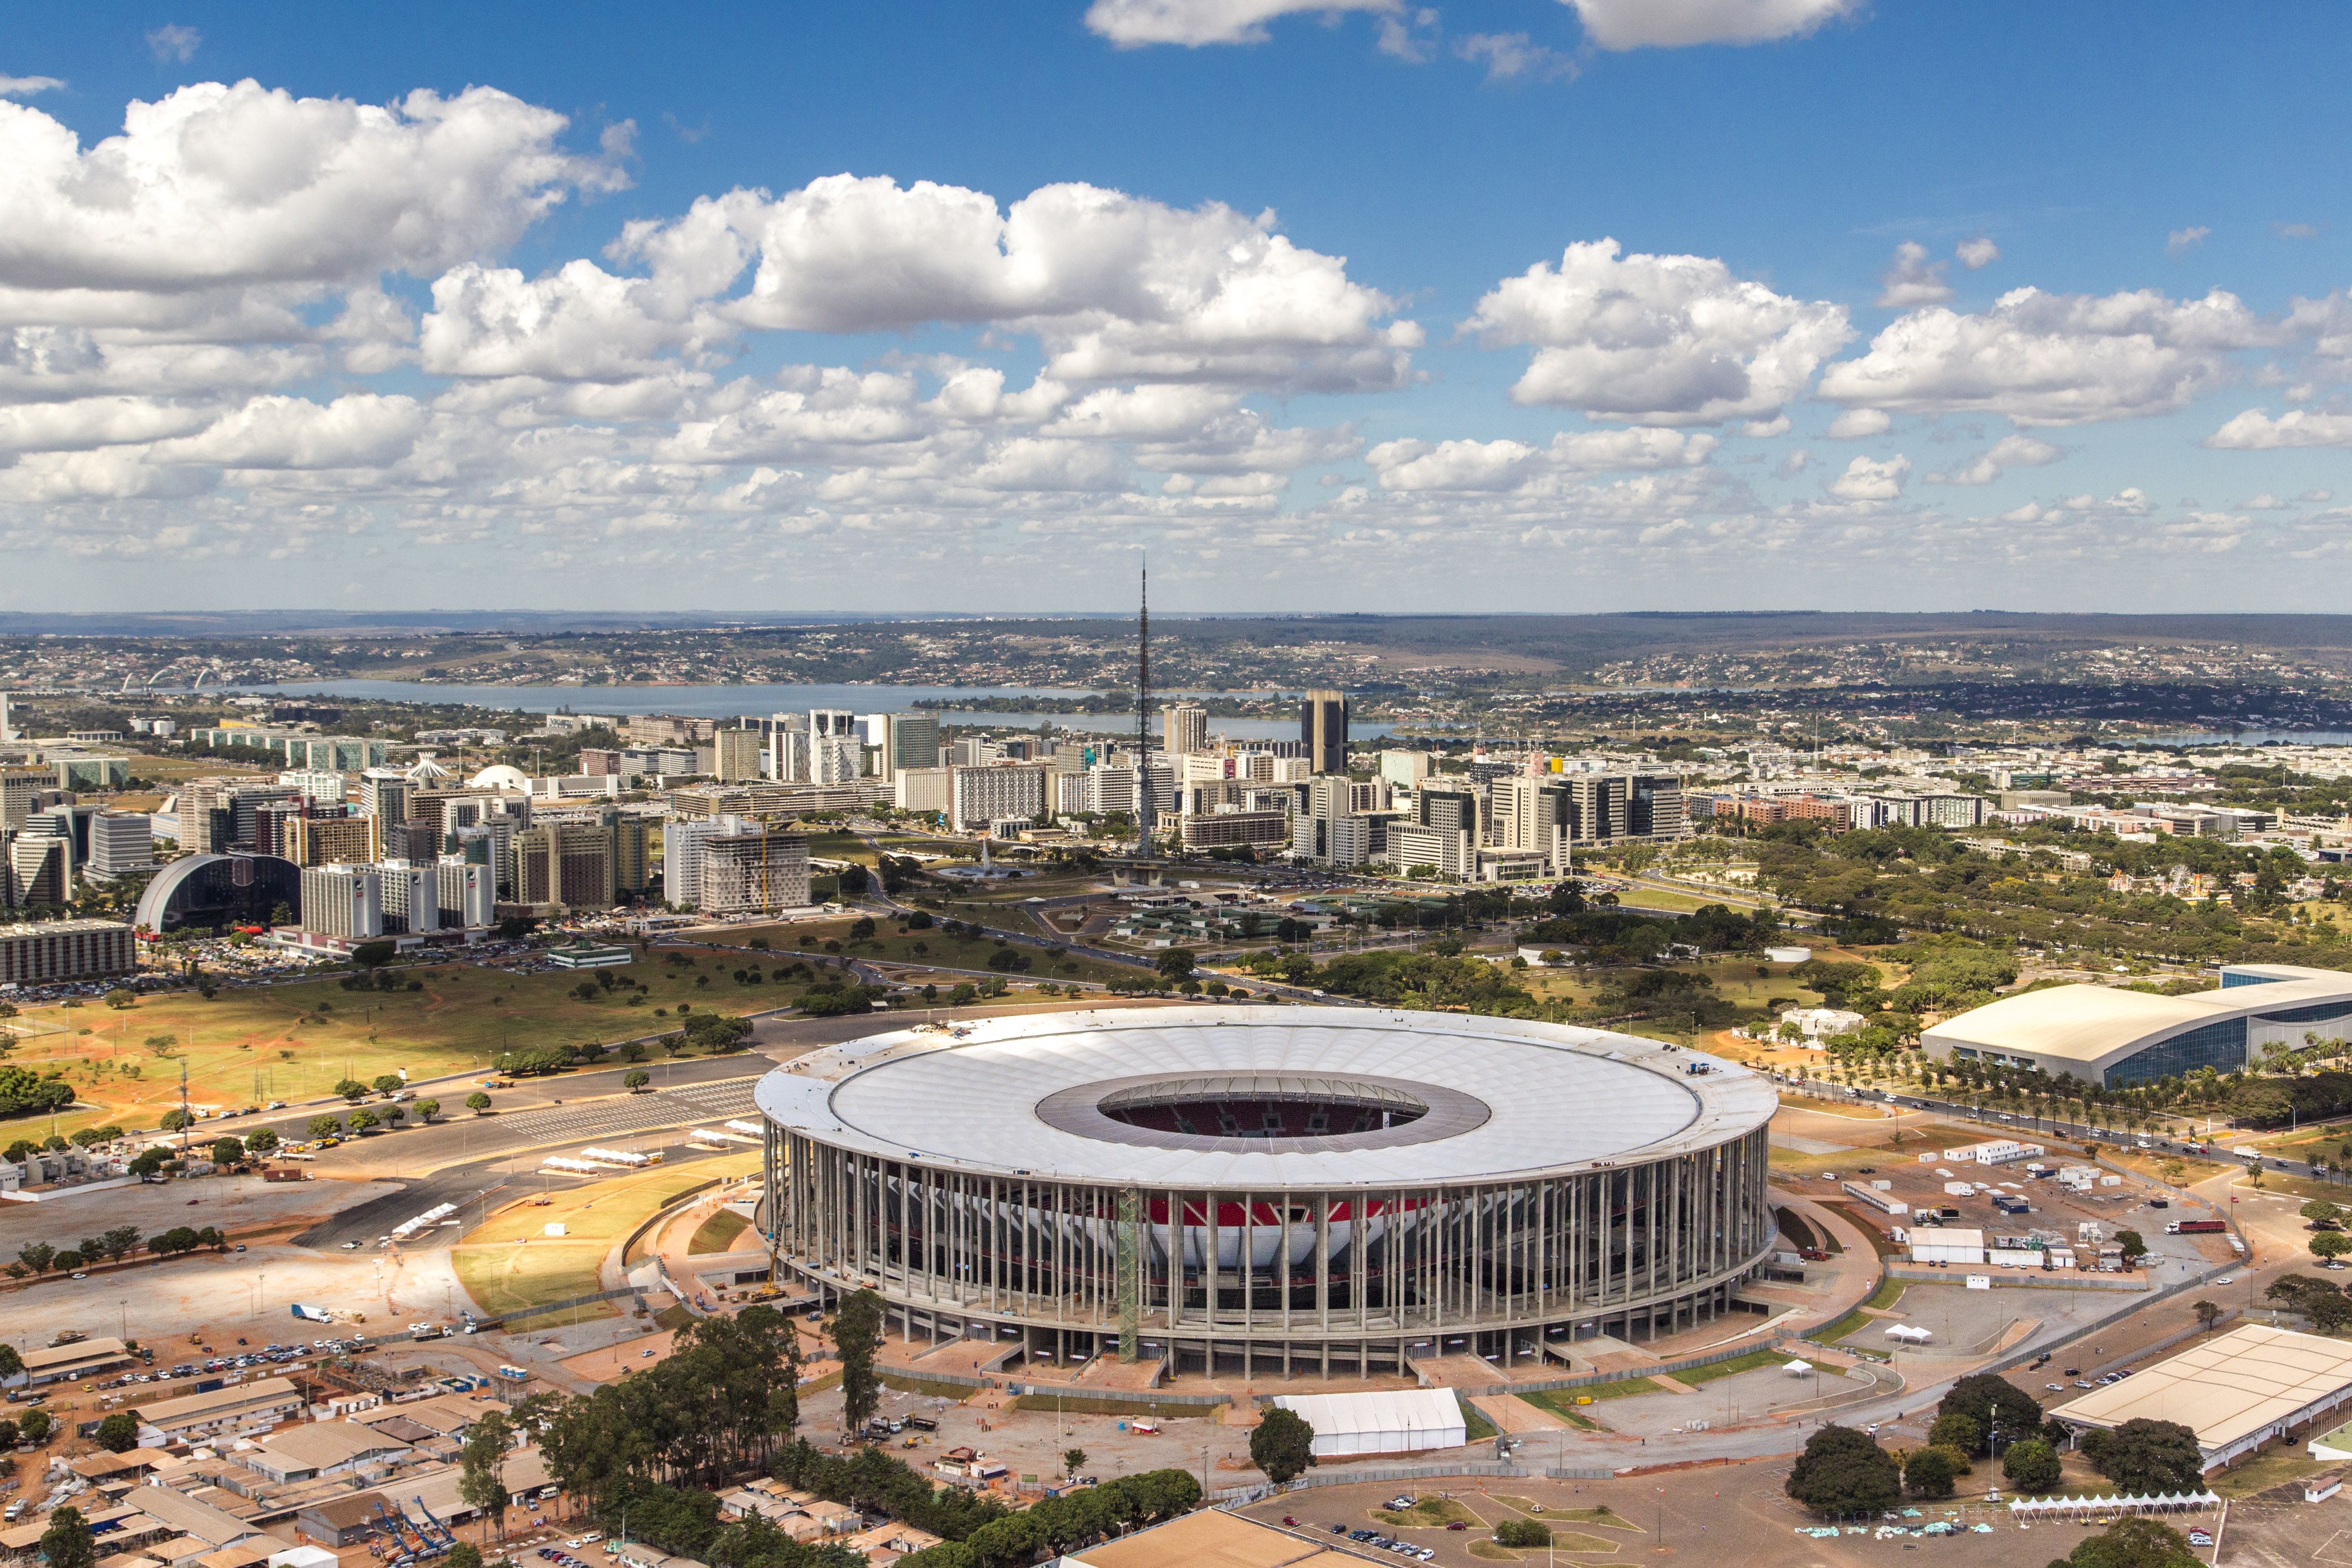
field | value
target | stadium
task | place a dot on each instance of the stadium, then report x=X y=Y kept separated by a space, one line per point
x=1253 y=1189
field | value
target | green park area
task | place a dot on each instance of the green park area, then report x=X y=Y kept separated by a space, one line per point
x=251 y=1045
x=931 y=946
x=509 y=1263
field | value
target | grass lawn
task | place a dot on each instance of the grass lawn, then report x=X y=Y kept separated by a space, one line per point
x=252 y=1045
x=509 y=1264
x=1427 y=1512
x=717 y=1233
x=925 y=1387
x=1562 y=1401
x=1491 y=1553
x=1889 y=1291
x=934 y=946
x=1845 y=1108
x=1732 y=1368
x=1845 y=1325
x=2261 y=1473
x=1475 y=1427
x=2279 y=1181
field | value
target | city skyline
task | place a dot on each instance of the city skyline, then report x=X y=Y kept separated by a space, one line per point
x=1349 y=306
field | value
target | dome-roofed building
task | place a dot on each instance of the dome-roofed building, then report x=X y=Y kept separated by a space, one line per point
x=501 y=775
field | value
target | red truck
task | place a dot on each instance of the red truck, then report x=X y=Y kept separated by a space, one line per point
x=2195 y=1227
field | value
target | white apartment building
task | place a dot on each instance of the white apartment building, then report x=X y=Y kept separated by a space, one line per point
x=342 y=901
x=923 y=790
x=411 y=893
x=979 y=796
x=468 y=893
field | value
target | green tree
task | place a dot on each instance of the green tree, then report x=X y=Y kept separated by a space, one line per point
x=2330 y=1244
x=635 y=1081
x=478 y=1102
x=2146 y=1456
x=374 y=955
x=481 y=1465
x=37 y=1256
x=148 y=1162
x=350 y=1089
x=2133 y=1543
x=174 y=1119
x=1843 y=1471
x=2322 y=1215
x=465 y=1554
x=1177 y=962
x=1992 y=1402
x=857 y=1335
x=119 y=1433
x=34 y=1426
x=426 y=1110
x=325 y=1127
x=120 y=998
x=161 y=1044
x=2030 y=1466
x=2134 y=1245
x=260 y=1141
x=66 y=1543
x=387 y=1084
x=1957 y=1431
x=360 y=1120
x=1930 y=1473
x=1283 y=1445
x=1524 y=1533
x=120 y=1242
x=228 y=1151
x=1073 y=1460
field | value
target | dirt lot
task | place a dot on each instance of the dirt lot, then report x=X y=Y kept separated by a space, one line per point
x=1716 y=1514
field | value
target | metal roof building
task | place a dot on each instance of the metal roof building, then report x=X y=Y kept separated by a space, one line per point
x=2106 y=1036
x=2234 y=1391
x=1257 y=1187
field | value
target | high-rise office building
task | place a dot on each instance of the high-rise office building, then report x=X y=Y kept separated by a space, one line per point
x=41 y=868
x=737 y=755
x=913 y=742
x=748 y=867
x=788 y=748
x=1183 y=728
x=122 y=841
x=567 y=865
x=1323 y=730
x=323 y=839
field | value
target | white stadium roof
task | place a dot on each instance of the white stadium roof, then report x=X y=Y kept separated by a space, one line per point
x=1506 y=1096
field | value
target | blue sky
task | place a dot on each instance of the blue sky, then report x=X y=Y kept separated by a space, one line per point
x=623 y=312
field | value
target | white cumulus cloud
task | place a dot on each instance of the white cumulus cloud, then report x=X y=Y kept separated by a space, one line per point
x=1657 y=340
x=2256 y=431
x=1912 y=279
x=2180 y=241
x=2051 y=359
x=26 y=87
x=1677 y=24
x=1977 y=254
x=2008 y=451
x=1860 y=425
x=1865 y=480
x=1132 y=24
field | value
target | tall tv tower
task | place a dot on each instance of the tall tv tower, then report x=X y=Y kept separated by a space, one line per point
x=1144 y=821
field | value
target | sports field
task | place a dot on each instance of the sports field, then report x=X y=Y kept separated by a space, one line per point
x=294 y=1042
x=509 y=1263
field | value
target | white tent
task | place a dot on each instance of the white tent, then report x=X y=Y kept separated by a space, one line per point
x=1397 y=1421
x=1909 y=1334
x=1798 y=1368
